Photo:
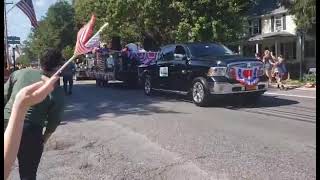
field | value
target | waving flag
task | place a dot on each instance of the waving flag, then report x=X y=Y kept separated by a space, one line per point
x=94 y=41
x=83 y=37
x=27 y=7
x=85 y=43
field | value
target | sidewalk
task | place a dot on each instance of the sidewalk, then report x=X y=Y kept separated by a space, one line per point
x=290 y=87
x=307 y=89
x=301 y=92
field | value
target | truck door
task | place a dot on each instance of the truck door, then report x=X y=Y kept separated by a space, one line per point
x=179 y=69
x=163 y=69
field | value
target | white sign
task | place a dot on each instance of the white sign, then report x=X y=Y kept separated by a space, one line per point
x=164 y=72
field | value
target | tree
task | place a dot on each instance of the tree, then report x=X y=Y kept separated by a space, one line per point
x=208 y=20
x=24 y=60
x=56 y=29
x=166 y=21
x=67 y=52
x=304 y=12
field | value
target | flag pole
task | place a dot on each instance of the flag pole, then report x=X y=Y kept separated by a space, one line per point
x=6 y=36
x=12 y=7
x=75 y=55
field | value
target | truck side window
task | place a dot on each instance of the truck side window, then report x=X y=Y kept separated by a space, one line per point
x=167 y=54
x=179 y=53
x=180 y=50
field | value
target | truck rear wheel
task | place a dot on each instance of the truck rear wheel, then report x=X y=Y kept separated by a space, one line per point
x=200 y=95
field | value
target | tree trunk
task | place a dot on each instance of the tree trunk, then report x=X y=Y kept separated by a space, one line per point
x=115 y=43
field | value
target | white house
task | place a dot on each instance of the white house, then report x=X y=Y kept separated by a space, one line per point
x=271 y=26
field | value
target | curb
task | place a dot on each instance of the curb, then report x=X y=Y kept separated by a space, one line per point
x=287 y=86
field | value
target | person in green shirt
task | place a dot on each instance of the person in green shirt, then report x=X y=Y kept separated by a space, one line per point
x=47 y=114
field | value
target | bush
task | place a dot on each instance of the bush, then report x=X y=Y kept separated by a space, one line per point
x=294 y=69
x=309 y=77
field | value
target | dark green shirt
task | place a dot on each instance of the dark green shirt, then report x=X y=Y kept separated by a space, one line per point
x=47 y=113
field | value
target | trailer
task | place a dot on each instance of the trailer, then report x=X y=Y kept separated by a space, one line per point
x=118 y=66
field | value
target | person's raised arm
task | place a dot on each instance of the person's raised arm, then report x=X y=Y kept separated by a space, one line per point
x=26 y=97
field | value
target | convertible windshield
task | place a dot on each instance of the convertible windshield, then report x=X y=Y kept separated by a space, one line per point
x=209 y=50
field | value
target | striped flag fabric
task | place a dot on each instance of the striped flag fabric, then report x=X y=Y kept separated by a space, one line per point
x=83 y=37
x=94 y=41
x=27 y=7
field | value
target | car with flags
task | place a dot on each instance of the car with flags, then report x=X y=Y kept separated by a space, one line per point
x=203 y=70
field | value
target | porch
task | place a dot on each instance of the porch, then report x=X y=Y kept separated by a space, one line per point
x=284 y=43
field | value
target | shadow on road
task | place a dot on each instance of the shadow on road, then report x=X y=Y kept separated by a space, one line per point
x=263 y=102
x=234 y=102
x=89 y=102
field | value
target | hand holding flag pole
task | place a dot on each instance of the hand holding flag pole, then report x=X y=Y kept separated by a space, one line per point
x=83 y=46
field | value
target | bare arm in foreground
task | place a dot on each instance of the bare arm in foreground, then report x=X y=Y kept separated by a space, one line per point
x=28 y=96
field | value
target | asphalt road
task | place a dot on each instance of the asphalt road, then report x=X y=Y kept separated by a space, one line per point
x=119 y=133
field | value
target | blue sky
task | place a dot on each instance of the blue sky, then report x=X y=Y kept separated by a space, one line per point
x=19 y=24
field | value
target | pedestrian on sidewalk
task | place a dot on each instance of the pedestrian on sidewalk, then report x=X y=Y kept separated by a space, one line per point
x=281 y=73
x=268 y=60
x=68 y=74
x=258 y=56
x=46 y=114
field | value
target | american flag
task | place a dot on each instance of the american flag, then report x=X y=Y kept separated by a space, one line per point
x=27 y=7
x=83 y=37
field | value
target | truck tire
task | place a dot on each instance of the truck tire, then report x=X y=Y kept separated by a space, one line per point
x=199 y=92
x=147 y=85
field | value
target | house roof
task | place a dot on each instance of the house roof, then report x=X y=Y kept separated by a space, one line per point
x=266 y=7
x=270 y=35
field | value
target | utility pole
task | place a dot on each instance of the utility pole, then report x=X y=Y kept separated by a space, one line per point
x=6 y=33
x=14 y=58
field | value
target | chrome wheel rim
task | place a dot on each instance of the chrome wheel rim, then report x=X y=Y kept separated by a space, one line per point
x=198 y=92
x=147 y=86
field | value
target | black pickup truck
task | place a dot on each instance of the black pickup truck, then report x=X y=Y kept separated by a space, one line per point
x=204 y=70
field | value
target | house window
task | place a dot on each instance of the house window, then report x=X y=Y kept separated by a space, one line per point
x=309 y=48
x=290 y=50
x=255 y=26
x=278 y=26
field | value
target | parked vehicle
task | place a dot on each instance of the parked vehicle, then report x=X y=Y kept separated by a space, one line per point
x=204 y=70
x=83 y=68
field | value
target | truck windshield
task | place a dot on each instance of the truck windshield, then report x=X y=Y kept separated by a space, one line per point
x=209 y=50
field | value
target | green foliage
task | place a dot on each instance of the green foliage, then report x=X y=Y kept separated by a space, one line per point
x=208 y=20
x=163 y=22
x=167 y=21
x=304 y=12
x=310 y=77
x=23 y=60
x=56 y=30
x=68 y=52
